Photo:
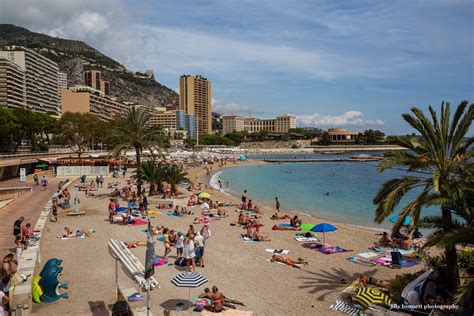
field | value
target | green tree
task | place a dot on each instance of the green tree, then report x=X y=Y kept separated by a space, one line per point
x=78 y=131
x=189 y=142
x=372 y=137
x=441 y=152
x=325 y=139
x=174 y=175
x=135 y=132
x=9 y=128
x=153 y=173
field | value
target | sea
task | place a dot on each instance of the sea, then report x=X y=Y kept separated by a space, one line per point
x=337 y=191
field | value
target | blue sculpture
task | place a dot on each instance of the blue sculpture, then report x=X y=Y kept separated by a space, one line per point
x=49 y=281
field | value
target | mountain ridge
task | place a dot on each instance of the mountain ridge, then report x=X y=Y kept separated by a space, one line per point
x=74 y=57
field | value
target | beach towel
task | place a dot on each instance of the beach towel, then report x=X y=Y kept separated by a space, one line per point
x=137 y=221
x=229 y=312
x=328 y=249
x=278 y=251
x=247 y=239
x=304 y=239
x=173 y=214
x=384 y=261
x=343 y=307
x=361 y=262
x=389 y=249
x=367 y=255
x=153 y=212
x=312 y=245
x=160 y=238
x=159 y=261
x=376 y=249
x=284 y=225
x=65 y=238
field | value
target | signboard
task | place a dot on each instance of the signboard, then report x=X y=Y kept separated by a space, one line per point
x=22 y=174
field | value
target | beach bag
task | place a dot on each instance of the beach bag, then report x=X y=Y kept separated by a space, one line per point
x=181 y=261
x=121 y=308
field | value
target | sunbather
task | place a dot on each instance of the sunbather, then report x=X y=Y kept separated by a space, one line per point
x=276 y=216
x=227 y=301
x=276 y=227
x=295 y=221
x=217 y=300
x=384 y=240
x=289 y=261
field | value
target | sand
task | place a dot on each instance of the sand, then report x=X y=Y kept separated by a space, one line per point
x=240 y=270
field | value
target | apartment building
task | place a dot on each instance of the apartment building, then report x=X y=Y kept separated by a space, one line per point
x=238 y=123
x=93 y=79
x=41 y=78
x=84 y=99
x=174 y=121
x=195 y=94
x=12 y=85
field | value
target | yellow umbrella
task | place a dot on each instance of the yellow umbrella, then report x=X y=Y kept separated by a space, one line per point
x=204 y=195
x=366 y=296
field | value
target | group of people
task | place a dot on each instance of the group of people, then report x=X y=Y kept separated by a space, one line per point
x=402 y=241
x=62 y=199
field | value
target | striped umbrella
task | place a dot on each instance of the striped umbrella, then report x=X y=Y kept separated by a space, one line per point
x=189 y=280
x=367 y=295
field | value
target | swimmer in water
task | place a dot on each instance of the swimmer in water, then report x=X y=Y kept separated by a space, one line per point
x=327 y=193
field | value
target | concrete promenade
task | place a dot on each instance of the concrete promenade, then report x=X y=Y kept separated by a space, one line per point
x=30 y=206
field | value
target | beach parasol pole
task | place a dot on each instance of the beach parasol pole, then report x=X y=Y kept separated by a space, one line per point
x=148 y=298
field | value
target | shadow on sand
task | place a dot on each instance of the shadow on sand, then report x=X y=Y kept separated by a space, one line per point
x=325 y=282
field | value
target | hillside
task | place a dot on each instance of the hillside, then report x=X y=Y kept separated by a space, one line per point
x=73 y=57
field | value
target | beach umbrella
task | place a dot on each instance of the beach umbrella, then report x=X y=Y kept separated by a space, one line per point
x=367 y=295
x=306 y=226
x=323 y=228
x=406 y=221
x=204 y=195
x=189 y=280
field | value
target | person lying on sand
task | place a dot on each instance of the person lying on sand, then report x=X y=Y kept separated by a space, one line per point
x=276 y=216
x=276 y=227
x=135 y=244
x=364 y=282
x=289 y=261
x=227 y=301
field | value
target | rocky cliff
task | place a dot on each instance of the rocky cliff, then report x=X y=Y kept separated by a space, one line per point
x=73 y=57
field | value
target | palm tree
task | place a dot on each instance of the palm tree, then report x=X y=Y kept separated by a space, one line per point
x=135 y=131
x=151 y=172
x=440 y=153
x=174 y=175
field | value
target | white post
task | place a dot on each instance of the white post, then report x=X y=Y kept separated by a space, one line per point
x=148 y=298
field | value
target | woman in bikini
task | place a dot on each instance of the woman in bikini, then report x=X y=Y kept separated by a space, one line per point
x=217 y=300
x=289 y=261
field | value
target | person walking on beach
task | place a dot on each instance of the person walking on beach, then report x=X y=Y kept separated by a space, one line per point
x=199 y=243
x=244 y=200
x=166 y=242
x=55 y=210
x=277 y=204
x=35 y=179
x=44 y=182
x=101 y=181
x=189 y=253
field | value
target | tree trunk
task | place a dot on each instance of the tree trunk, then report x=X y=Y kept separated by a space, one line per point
x=139 y=182
x=450 y=252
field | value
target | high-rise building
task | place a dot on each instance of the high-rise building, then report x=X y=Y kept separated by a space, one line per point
x=12 y=85
x=41 y=78
x=93 y=79
x=236 y=123
x=84 y=99
x=195 y=94
x=62 y=83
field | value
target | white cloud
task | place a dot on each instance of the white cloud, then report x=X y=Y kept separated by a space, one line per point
x=350 y=118
x=227 y=108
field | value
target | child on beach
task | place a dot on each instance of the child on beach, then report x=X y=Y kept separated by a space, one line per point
x=179 y=244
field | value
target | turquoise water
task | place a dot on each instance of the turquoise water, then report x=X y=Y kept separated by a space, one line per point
x=303 y=187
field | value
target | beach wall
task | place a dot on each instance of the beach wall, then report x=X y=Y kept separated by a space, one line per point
x=13 y=192
x=21 y=300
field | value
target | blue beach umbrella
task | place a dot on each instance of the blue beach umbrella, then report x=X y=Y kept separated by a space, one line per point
x=406 y=221
x=323 y=228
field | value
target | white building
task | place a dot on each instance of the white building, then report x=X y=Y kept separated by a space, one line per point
x=280 y=124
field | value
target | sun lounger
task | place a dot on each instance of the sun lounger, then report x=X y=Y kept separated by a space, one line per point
x=278 y=251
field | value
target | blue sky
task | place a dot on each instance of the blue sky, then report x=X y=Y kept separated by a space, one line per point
x=358 y=64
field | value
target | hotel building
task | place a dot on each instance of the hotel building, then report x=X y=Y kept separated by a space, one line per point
x=12 y=85
x=195 y=94
x=174 y=121
x=93 y=79
x=237 y=123
x=83 y=99
x=41 y=78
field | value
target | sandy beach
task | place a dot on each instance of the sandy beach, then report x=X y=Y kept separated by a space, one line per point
x=240 y=270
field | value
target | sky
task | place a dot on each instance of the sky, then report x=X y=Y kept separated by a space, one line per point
x=354 y=64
